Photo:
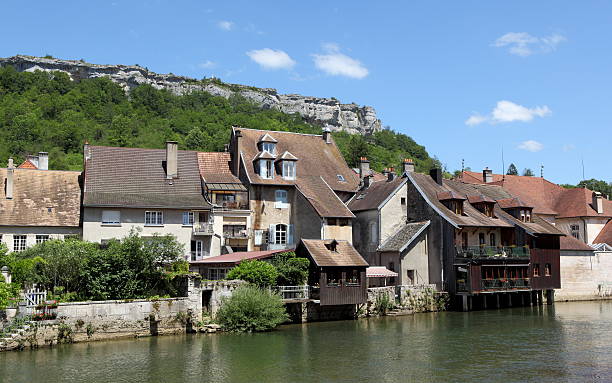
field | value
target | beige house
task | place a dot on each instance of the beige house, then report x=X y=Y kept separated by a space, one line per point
x=37 y=204
x=154 y=191
x=297 y=185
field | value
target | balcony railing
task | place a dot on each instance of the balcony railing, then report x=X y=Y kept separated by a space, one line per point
x=200 y=228
x=238 y=234
x=294 y=292
x=504 y=284
x=235 y=205
x=492 y=252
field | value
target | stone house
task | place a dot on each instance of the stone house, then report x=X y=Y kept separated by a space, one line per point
x=155 y=191
x=297 y=185
x=37 y=204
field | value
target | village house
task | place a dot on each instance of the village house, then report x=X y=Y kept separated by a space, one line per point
x=38 y=204
x=154 y=191
x=484 y=244
x=297 y=185
x=381 y=232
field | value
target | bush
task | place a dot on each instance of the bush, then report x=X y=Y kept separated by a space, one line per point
x=292 y=271
x=259 y=273
x=8 y=293
x=251 y=308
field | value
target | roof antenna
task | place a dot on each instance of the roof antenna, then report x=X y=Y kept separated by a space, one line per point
x=503 y=165
x=462 y=166
x=582 y=160
x=541 y=171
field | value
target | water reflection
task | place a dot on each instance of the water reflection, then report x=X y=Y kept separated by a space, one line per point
x=566 y=342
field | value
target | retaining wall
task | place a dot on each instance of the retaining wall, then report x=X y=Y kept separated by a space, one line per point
x=585 y=276
x=405 y=299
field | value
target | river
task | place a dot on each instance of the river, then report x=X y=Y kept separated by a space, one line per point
x=568 y=342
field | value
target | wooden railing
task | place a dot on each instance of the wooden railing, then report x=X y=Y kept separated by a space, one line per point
x=492 y=252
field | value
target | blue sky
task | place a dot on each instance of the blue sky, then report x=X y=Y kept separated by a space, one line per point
x=463 y=78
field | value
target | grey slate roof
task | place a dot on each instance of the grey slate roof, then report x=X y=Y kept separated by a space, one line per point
x=373 y=196
x=403 y=237
x=132 y=177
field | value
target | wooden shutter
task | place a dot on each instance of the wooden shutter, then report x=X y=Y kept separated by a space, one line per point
x=289 y=234
x=272 y=234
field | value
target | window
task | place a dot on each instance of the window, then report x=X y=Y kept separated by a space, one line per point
x=547 y=270
x=111 y=217
x=266 y=169
x=481 y=239
x=280 y=197
x=492 y=239
x=42 y=238
x=217 y=273
x=333 y=278
x=575 y=229
x=353 y=277
x=343 y=221
x=410 y=276
x=464 y=240
x=403 y=201
x=19 y=242
x=289 y=170
x=197 y=250
x=269 y=147
x=488 y=209
x=155 y=218
x=456 y=206
x=340 y=178
x=332 y=221
x=527 y=215
x=536 y=270
x=187 y=218
x=280 y=234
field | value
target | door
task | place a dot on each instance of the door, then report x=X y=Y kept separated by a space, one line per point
x=197 y=250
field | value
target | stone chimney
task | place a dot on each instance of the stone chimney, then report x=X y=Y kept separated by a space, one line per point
x=43 y=161
x=10 y=174
x=366 y=181
x=598 y=202
x=86 y=151
x=171 y=159
x=385 y=172
x=327 y=135
x=436 y=174
x=391 y=174
x=408 y=165
x=364 y=167
x=487 y=175
x=236 y=153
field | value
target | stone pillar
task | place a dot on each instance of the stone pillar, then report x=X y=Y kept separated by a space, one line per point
x=550 y=297
x=522 y=299
x=484 y=301
x=509 y=299
x=465 y=302
x=540 y=299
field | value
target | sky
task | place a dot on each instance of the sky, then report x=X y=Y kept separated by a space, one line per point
x=466 y=79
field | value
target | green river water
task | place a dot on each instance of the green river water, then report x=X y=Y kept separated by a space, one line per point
x=568 y=342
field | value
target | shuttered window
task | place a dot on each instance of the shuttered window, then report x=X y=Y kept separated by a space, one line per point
x=111 y=217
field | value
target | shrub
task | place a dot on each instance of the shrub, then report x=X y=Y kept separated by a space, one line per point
x=8 y=293
x=382 y=303
x=292 y=271
x=251 y=308
x=259 y=273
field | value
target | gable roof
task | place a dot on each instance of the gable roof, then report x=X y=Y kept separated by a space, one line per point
x=570 y=243
x=346 y=254
x=37 y=191
x=325 y=202
x=578 y=202
x=377 y=193
x=215 y=168
x=267 y=138
x=404 y=236
x=316 y=158
x=134 y=177
x=605 y=235
x=27 y=164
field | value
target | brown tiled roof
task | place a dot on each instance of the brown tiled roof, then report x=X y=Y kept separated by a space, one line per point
x=131 y=177
x=479 y=198
x=605 y=235
x=578 y=202
x=287 y=156
x=237 y=257
x=316 y=158
x=27 y=164
x=215 y=167
x=345 y=254
x=267 y=138
x=570 y=243
x=37 y=191
x=376 y=176
x=514 y=202
x=449 y=195
x=322 y=198
x=373 y=196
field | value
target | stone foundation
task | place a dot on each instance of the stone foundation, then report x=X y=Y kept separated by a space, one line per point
x=404 y=300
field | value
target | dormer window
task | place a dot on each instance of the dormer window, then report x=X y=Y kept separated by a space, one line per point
x=289 y=170
x=269 y=147
x=287 y=165
x=453 y=201
x=266 y=169
x=525 y=215
x=456 y=206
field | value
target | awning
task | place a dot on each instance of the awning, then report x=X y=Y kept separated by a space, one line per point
x=225 y=186
x=379 y=272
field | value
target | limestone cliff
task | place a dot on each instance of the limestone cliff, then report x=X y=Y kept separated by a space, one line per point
x=326 y=112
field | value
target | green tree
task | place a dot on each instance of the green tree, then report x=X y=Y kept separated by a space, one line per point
x=292 y=271
x=512 y=170
x=601 y=186
x=251 y=308
x=257 y=272
x=196 y=139
x=528 y=172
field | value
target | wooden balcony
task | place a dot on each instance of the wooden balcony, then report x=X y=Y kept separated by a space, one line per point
x=488 y=252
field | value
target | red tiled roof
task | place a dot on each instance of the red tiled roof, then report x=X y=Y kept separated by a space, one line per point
x=578 y=203
x=570 y=243
x=236 y=258
x=605 y=235
x=27 y=164
x=379 y=272
x=508 y=203
x=215 y=167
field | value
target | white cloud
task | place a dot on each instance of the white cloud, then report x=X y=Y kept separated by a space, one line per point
x=531 y=146
x=271 y=59
x=507 y=111
x=523 y=44
x=225 y=25
x=207 y=64
x=337 y=64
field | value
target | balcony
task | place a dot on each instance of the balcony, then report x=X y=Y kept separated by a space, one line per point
x=504 y=284
x=200 y=228
x=477 y=252
x=235 y=205
x=236 y=232
x=293 y=293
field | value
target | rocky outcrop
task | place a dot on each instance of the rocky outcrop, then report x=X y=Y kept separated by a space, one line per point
x=326 y=112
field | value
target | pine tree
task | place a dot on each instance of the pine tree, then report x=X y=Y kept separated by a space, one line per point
x=512 y=170
x=528 y=172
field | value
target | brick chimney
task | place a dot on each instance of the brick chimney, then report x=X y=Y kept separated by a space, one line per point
x=327 y=135
x=43 y=161
x=436 y=174
x=487 y=175
x=408 y=165
x=171 y=159
x=598 y=202
x=364 y=167
x=10 y=174
x=236 y=152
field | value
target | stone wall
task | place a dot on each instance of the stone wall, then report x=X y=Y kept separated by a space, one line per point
x=585 y=276
x=211 y=293
x=403 y=300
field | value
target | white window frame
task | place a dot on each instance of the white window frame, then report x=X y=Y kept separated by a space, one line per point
x=154 y=218
x=19 y=242
x=199 y=252
x=575 y=231
x=269 y=147
x=188 y=218
x=111 y=217
x=42 y=238
x=281 y=234
x=289 y=168
x=266 y=169
x=281 y=198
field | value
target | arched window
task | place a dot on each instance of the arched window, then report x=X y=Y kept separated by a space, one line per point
x=281 y=234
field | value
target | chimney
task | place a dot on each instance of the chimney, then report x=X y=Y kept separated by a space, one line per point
x=327 y=135
x=487 y=175
x=364 y=167
x=385 y=172
x=436 y=174
x=391 y=174
x=171 y=159
x=366 y=181
x=10 y=170
x=43 y=161
x=598 y=202
x=408 y=165
x=237 y=150
x=86 y=151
